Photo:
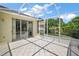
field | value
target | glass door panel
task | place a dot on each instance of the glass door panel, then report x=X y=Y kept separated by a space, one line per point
x=30 y=29
x=24 y=29
x=18 y=29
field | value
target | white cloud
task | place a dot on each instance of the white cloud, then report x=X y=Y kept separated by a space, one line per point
x=23 y=9
x=68 y=17
x=37 y=9
x=28 y=13
x=47 y=5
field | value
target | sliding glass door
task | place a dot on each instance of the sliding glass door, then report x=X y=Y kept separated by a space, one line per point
x=21 y=29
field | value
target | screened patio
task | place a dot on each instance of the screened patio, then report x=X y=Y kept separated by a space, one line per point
x=46 y=43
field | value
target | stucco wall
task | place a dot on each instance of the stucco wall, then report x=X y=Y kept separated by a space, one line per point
x=6 y=30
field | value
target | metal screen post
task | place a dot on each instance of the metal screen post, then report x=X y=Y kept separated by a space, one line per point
x=57 y=10
x=47 y=26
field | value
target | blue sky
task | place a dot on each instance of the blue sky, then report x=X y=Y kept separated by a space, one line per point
x=45 y=10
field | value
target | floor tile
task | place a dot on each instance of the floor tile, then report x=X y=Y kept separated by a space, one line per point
x=59 y=50
x=18 y=43
x=7 y=54
x=48 y=39
x=32 y=39
x=41 y=43
x=27 y=50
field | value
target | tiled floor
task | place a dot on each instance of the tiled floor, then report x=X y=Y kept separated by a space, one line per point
x=38 y=46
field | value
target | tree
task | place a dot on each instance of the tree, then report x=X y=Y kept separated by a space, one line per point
x=72 y=28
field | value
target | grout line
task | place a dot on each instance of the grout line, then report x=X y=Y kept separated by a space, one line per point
x=17 y=47
x=55 y=43
x=21 y=46
x=36 y=45
x=74 y=52
x=37 y=52
x=46 y=45
x=9 y=50
x=60 y=45
x=5 y=53
x=42 y=48
x=70 y=50
x=51 y=52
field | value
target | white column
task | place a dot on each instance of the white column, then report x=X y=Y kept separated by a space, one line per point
x=27 y=29
x=13 y=29
x=59 y=27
